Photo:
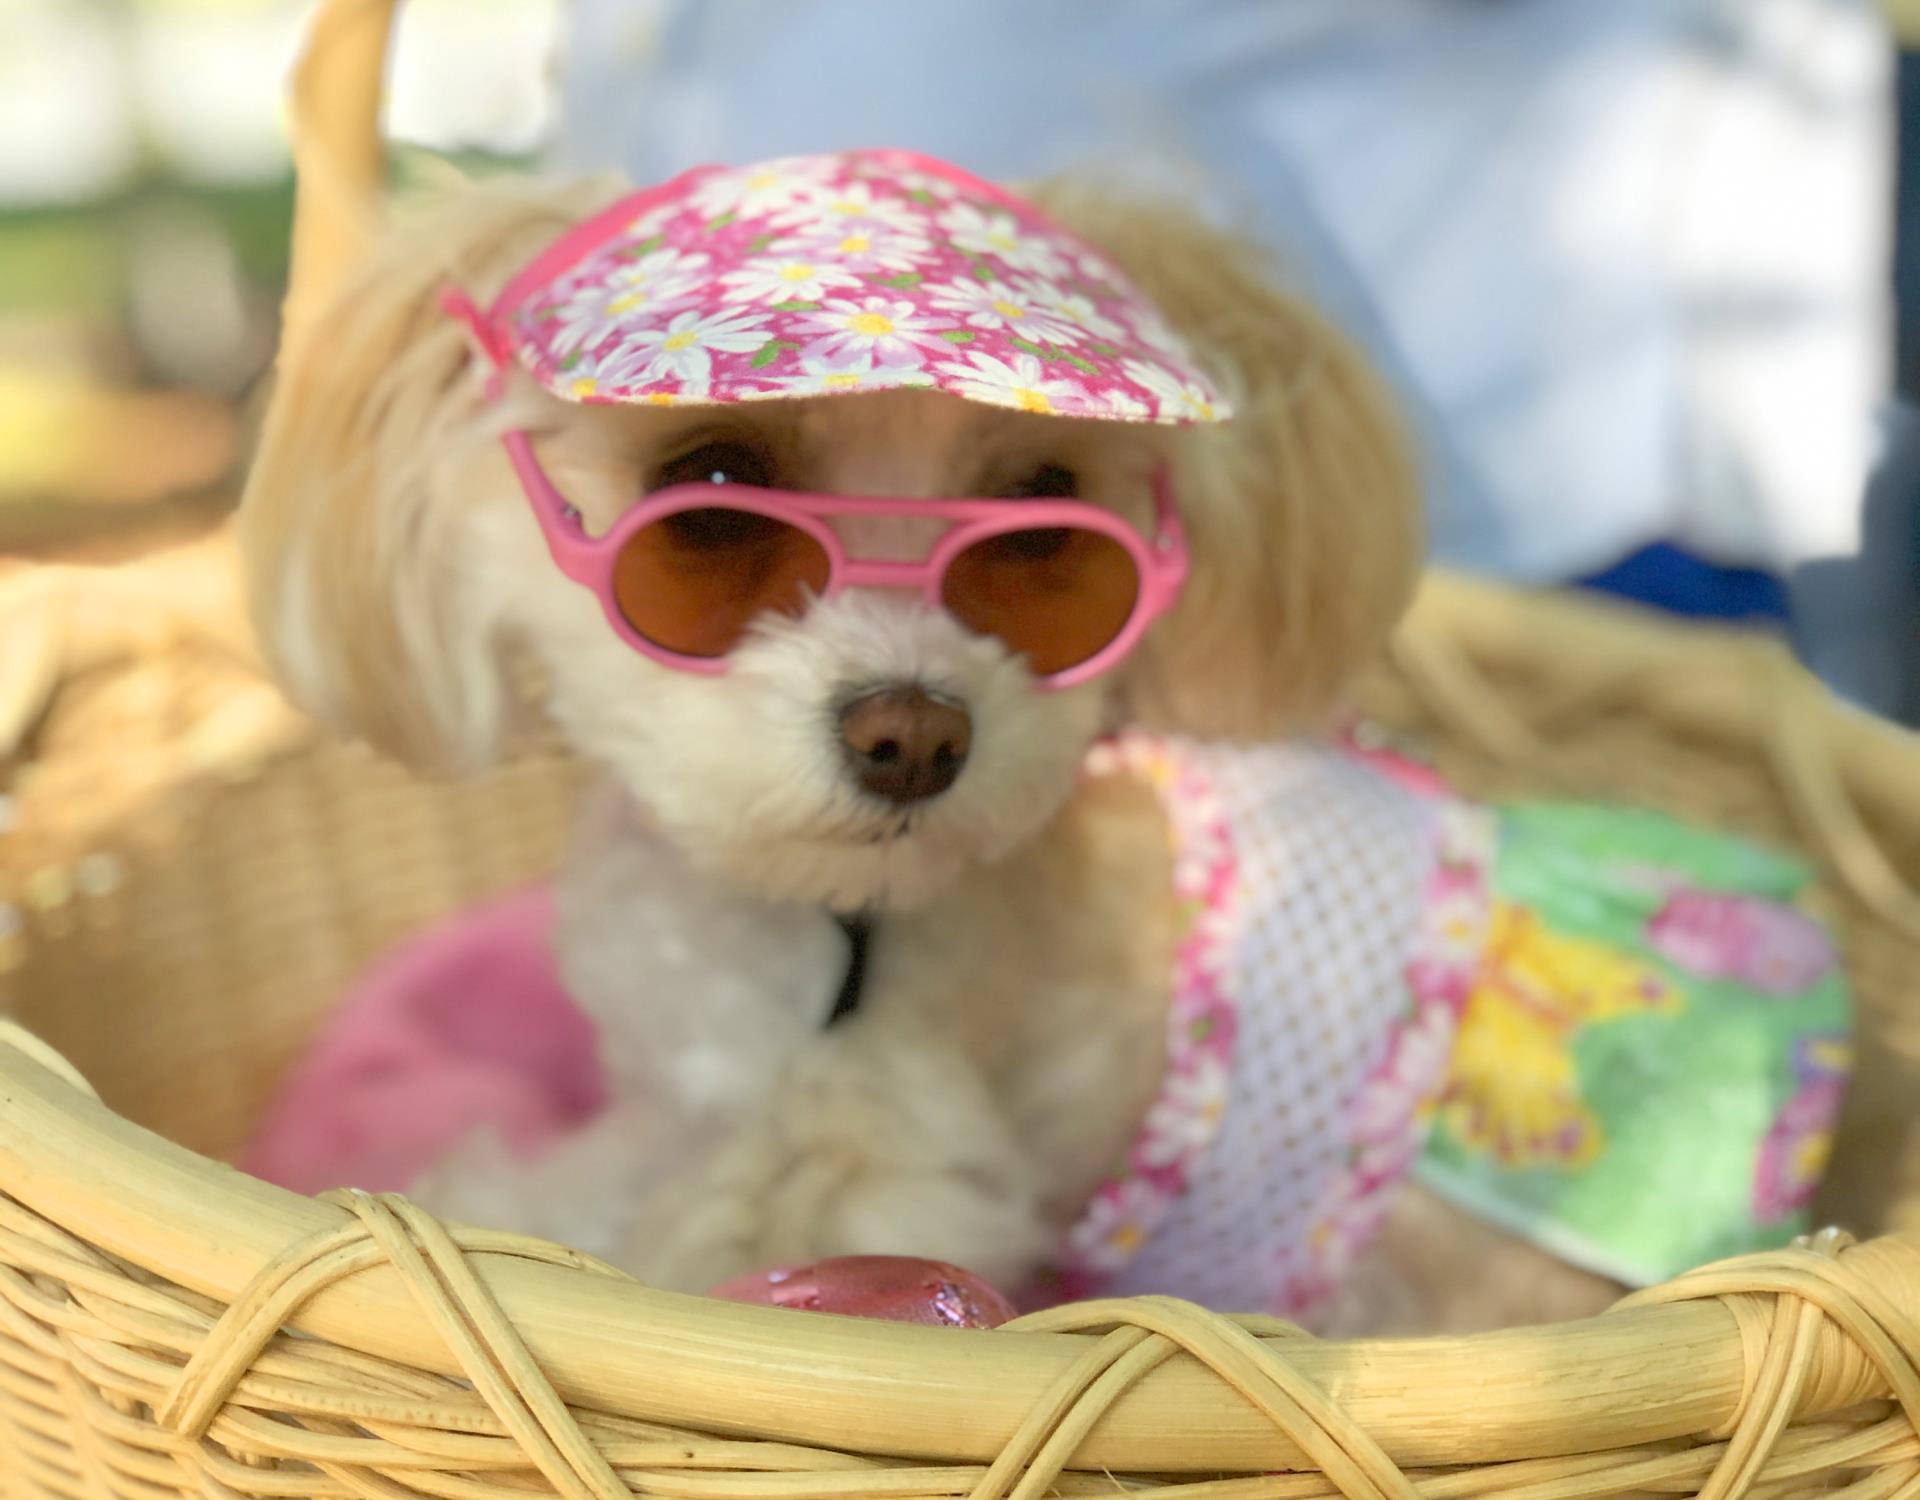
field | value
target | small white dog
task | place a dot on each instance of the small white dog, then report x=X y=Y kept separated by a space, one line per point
x=879 y=960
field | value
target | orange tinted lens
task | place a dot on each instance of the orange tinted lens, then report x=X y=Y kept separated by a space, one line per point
x=693 y=581
x=1057 y=594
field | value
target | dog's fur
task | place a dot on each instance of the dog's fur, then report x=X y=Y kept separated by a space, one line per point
x=1011 y=1033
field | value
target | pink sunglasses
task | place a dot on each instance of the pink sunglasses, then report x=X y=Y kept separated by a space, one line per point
x=683 y=575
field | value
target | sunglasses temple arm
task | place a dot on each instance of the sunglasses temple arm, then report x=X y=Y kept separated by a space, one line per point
x=457 y=304
x=573 y=550
x=559 y=521
x=1170 y=531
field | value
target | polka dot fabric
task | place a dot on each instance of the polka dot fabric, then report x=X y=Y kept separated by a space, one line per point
x=1334 y=914
x=855 y=271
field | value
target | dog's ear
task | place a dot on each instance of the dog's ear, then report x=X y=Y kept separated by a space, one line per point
x=1301 y=511
x=355 y=525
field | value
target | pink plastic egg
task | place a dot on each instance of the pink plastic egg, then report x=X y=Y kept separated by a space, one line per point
x=897 y=1288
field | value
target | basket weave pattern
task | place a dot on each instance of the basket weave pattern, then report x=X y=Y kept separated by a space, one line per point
x=114 y=1383
x=169 y=1327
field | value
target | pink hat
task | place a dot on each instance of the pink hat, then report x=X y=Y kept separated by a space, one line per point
x=856 y=271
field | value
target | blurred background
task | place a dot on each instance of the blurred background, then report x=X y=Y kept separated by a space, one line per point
x=144 y=202
x=1643 y=271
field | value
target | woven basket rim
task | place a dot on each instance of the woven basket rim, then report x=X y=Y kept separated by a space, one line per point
x=1634 y=1376
x=1614 y=640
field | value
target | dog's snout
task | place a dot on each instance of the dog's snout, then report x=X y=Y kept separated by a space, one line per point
x=904 y=744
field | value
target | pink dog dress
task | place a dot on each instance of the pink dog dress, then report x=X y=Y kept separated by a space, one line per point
x=1333 y=911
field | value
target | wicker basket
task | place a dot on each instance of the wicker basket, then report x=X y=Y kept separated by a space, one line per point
x=171 y=1327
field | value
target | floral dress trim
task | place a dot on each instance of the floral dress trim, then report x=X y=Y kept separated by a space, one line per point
x=1184 y=1120
x=1389 y=1115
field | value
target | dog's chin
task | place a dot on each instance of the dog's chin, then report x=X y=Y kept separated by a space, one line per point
x=900 y=862
x=893 y=872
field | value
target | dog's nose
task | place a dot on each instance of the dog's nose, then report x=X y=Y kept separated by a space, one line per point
x=904 y=744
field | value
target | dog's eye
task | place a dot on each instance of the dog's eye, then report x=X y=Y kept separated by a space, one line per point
x=1048 y=482
x=724 y=462
x=1037 y=544
x=716 y=529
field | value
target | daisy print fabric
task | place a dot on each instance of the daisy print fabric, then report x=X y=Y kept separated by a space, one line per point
x=1330 y=917
x=858 y=271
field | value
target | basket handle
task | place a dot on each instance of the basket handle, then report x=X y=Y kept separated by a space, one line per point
x=30 y=654
x=23 y=1041
x=338 y=159
x=58 y=622
x=1771 y=698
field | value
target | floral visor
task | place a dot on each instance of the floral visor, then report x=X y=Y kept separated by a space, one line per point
x=856 y=271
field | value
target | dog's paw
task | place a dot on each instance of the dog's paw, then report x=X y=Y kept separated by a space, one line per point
x=756 y=1207
x=875 y=1149
x=577 y=1193
x=473 y=1182
x=987 y=1221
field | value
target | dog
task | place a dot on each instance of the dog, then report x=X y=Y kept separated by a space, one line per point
x=880 y=942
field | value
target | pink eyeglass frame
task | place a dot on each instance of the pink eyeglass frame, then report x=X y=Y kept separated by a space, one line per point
x=1161 y=565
